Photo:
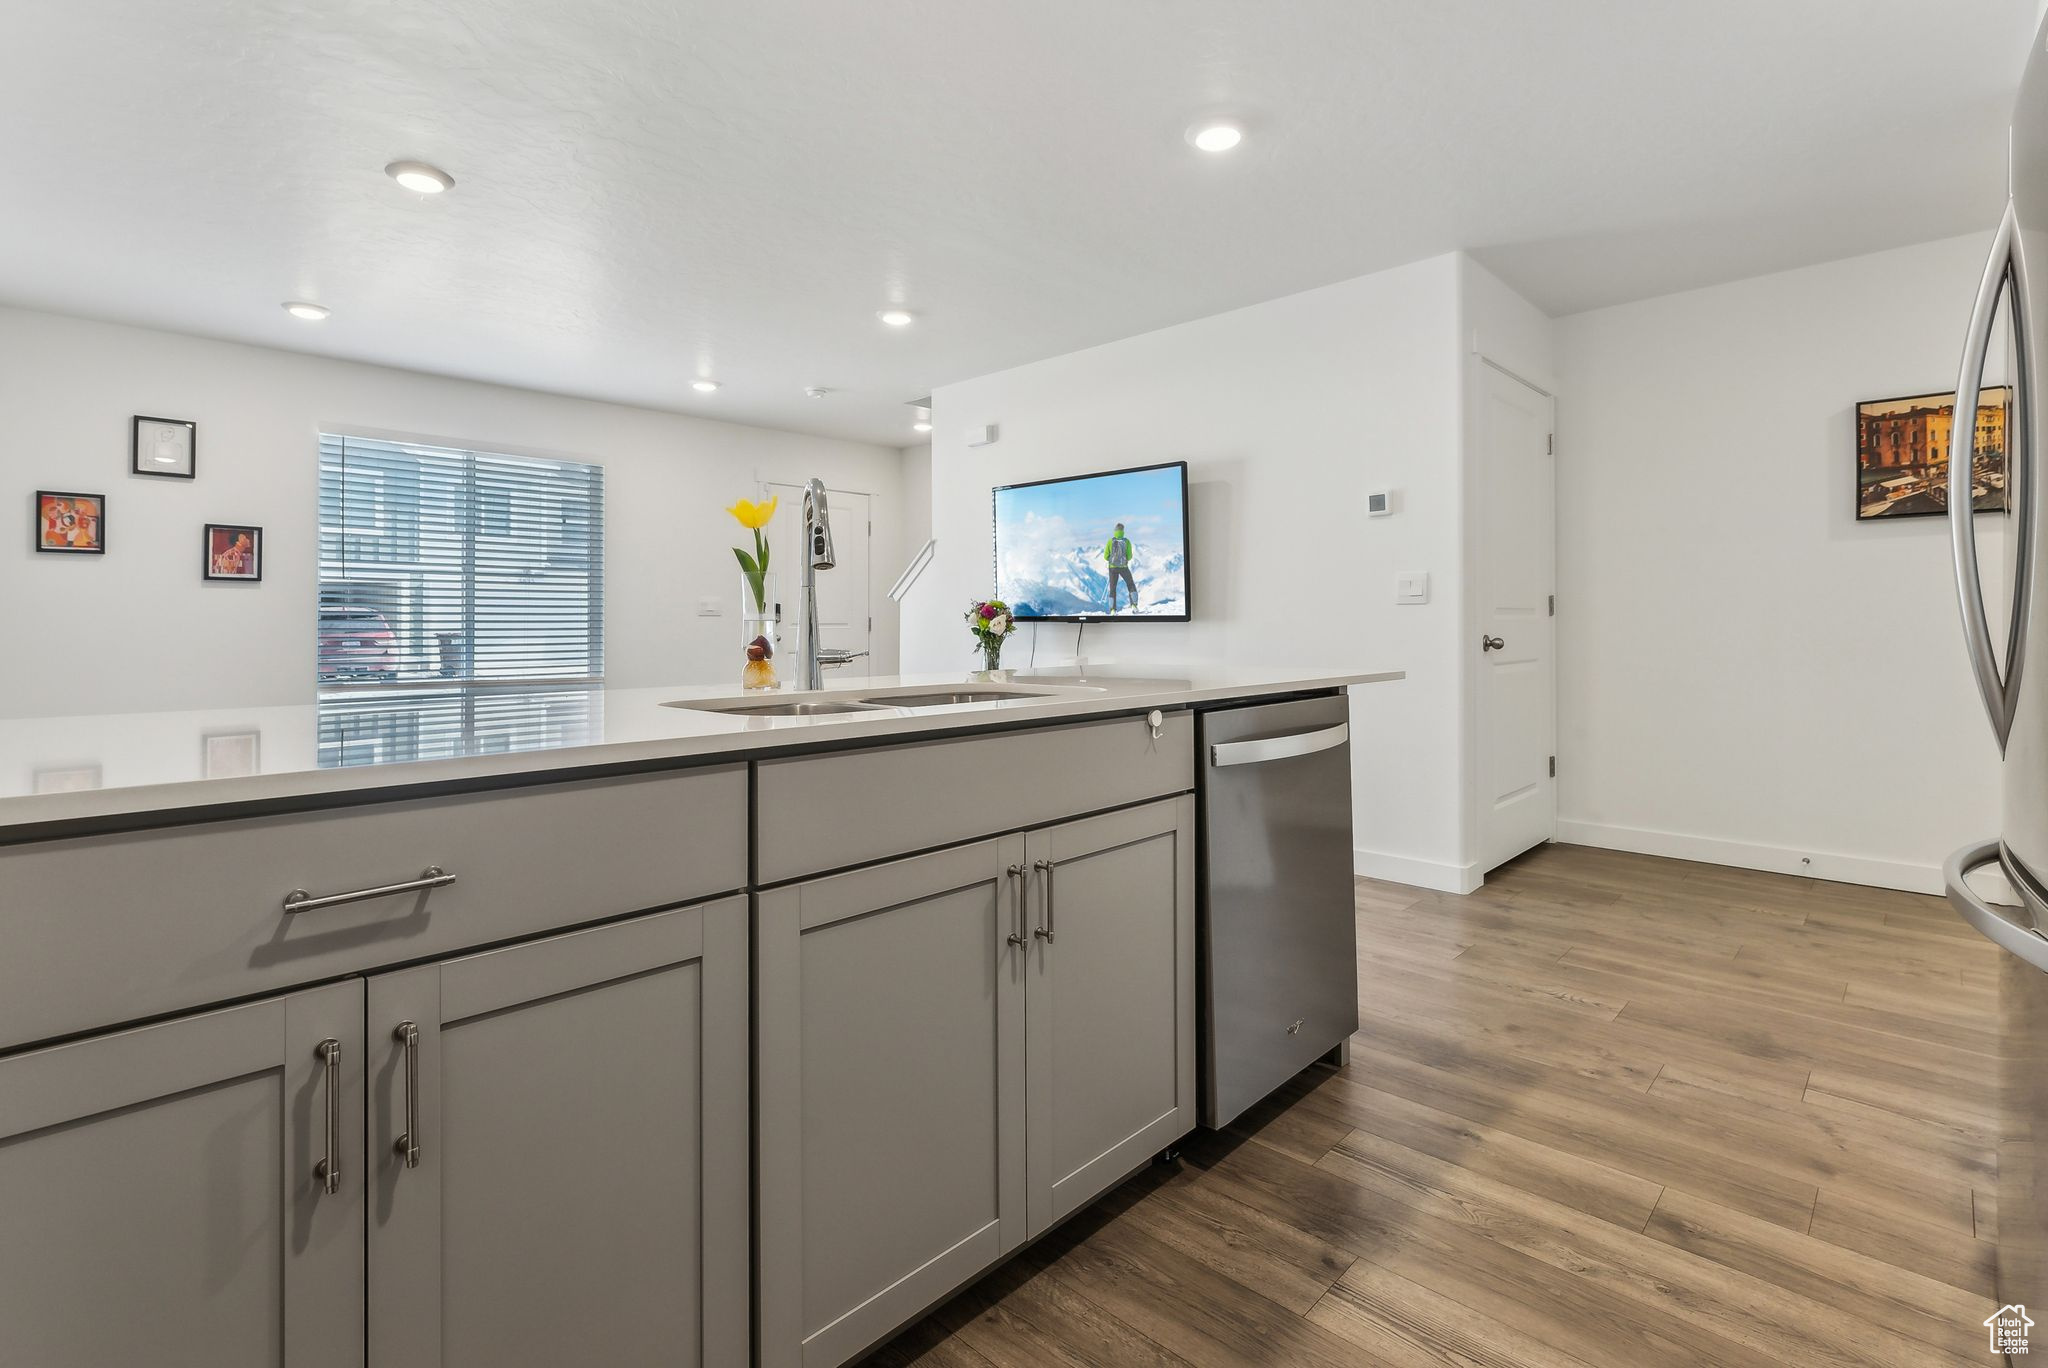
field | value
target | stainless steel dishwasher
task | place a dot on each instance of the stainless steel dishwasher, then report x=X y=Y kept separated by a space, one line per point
x=1279 y=944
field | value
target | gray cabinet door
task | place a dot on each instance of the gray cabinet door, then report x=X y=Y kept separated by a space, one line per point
x=1109 y=1000
x=890 y=1073
x=158 y=1196
x=579 y=1110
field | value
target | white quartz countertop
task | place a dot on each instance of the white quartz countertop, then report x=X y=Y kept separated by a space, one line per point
x=63 y=770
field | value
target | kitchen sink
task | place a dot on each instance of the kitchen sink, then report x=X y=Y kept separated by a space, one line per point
x=882 y=700
x=941 y=700
x=827 y=707
x=967 y=693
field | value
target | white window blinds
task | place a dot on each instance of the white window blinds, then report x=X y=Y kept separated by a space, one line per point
x=438 y=564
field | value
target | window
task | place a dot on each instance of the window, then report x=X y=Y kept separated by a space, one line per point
x=444 y=565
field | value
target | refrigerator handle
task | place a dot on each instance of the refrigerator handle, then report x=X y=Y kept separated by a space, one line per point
x=2006 y=272
x=1996 y=924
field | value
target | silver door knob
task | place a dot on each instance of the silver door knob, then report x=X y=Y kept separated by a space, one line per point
x=1492 y=643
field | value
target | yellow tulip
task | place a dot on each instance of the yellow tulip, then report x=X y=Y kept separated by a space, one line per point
x=754 y=515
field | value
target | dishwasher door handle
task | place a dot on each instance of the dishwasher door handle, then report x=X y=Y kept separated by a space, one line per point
x=1278 y=747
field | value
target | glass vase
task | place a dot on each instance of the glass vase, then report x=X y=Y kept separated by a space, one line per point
x=760 y=615
x=991 y=655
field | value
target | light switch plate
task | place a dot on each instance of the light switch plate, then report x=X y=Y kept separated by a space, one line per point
x=708 y=607
x=1411 y=586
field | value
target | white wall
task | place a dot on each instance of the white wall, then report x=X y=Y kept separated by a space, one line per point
x=1747 y=675
x=1287 y=412
x=138 y=629
x=914 y=526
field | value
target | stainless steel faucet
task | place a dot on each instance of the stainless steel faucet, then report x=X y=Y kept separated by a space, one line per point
x=817 y=556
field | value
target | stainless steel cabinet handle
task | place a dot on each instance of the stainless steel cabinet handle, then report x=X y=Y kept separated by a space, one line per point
x=328 y=1170
x=1046 y=868
x=299 y=900
x=1492 y=643
x=1015 y=874
x=1278 y=747
x=1995 y=923
x=2006 y=270
x=408 y=1144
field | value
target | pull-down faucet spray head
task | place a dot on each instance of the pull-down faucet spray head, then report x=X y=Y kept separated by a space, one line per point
x=817 y=526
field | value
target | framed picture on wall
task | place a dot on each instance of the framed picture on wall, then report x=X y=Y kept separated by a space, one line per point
x=1902 y=454
x=74 y=524
x=234 y=551
x=167 y=447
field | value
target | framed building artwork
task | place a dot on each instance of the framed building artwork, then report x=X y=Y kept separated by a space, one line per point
x=1902 y=454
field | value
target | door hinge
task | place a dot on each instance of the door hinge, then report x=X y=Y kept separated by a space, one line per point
x=1553 y=605
x=1553 y=767
x=1550 y=444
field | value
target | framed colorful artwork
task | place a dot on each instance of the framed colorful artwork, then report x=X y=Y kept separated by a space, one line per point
x=234 y=551
x=1902 y=448
x=74 y=524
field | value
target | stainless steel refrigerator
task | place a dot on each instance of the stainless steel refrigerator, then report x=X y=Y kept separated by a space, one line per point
x=2001 y=885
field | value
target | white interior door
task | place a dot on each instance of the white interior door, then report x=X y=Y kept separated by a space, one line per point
x=845 y=612
x=1517 y=573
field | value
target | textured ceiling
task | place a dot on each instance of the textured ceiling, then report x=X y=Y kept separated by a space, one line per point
x=647 y=191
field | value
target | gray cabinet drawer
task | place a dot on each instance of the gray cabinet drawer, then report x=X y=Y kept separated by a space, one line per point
x=105 y=929
x=823 y=812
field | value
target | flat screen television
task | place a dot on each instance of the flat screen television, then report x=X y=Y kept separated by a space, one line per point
x=1085 y=548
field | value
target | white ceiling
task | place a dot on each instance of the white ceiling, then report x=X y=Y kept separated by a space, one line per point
x=650 y=188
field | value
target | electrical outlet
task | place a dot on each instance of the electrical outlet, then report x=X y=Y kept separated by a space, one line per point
x=708 y=607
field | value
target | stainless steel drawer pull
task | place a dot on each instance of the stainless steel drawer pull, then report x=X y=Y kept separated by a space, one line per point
x=1015 y=874
x=408 y=1035
x=1278 y=747
x=1046 y=868
x=299 y=900
x=328 y=1170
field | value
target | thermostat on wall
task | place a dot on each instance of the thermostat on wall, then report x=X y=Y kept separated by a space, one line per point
x=981 y=434
x=1379 y=503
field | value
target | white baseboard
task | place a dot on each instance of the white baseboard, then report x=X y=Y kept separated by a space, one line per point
x=1444 y=878
x=1817 y=864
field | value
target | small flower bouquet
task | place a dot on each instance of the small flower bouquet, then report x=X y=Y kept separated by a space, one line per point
x=991 y=624
x=754 y=517
x=757 y=588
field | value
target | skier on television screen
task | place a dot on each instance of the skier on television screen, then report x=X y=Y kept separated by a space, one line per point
x=1117 y=552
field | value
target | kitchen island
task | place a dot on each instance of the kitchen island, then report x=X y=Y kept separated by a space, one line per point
x=686 y=1035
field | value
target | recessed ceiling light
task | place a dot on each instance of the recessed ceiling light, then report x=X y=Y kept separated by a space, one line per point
x=427 y=180
x=703 y=386
x=1216 y=135
x=920 y=427
x=897 y=318
x=816 y=391
x=312 y=313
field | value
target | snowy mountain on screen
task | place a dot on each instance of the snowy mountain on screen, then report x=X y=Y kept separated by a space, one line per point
x=1044 y=571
